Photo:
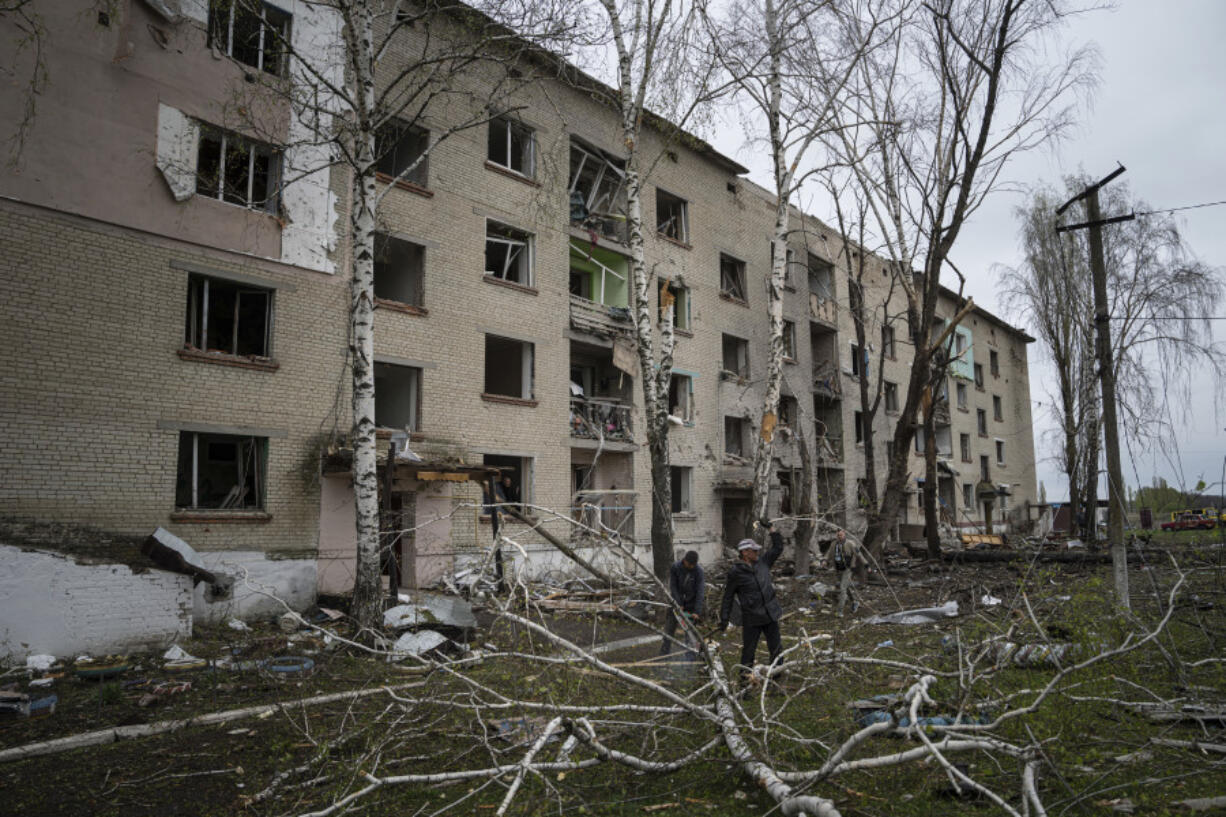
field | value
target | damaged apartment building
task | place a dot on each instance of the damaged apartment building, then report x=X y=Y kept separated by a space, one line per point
x=176 y=297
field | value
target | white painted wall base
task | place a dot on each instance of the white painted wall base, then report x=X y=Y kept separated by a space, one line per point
x=52 y=604
x=261 y=585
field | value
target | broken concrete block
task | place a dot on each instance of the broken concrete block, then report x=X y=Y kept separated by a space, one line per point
x=418 y=643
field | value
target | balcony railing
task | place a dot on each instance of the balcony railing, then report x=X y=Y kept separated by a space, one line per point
x=605 y=510
x=595 y=419
x=597 y=318
x=826 y=378
x=822 y=309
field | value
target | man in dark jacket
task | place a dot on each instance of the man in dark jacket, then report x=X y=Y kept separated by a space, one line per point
x=749 y=582
x=686 y=587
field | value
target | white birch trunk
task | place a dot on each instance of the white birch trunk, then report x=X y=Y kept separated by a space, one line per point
x=367 y=589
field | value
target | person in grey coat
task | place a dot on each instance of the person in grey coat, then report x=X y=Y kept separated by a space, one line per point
x=686 y=588
x=749 y=582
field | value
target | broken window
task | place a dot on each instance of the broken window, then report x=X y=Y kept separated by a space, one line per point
x=228 y=317
x=821 y=278
x=858 y=364
x=511 y=145
x=968 y=494
x=891 y=396
x=979 y=376
x=858 y=422
x=964 y=443
x=220 y=471
x=735 y=437
x=785 y=493
x=672 y=220
x=681 y=478
x=981 y=422
x=681 y=397
x=786 y=412
x=399 y=147
x=253 y=33
x=961 y=392
x=888 y=345
x=597 y=274
x=597 y=190
x=518 y=470
x=1000 y=452
x=237 y=170
x=732 y=277
x=679 y=296
x=998 y=412
x=508 y=253
x=397 y=396
x=789 y=340
x=399 y=270
x=508 y=367
x=736 y=355
x=994 y=363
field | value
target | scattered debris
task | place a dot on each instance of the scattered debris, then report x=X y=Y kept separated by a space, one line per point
x=100 y=669
x=429 y=609
x=1203 y=803
x=235 y=624
x=289 y=665
x=417 y=643
x=989 y=600
x=1029 y=655
x=290 y=622
x=522 y=730
x=42 y=663
x=922 y=615
x=820 y=589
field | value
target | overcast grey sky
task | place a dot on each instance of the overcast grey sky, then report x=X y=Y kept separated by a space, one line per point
x=1160 y=109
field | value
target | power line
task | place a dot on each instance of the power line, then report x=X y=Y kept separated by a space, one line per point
x=1177 y=209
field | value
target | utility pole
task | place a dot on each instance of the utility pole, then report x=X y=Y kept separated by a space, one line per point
x=1106 y=374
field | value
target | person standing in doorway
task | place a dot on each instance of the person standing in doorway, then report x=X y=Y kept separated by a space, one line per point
x=686 y=588
x=749 y=583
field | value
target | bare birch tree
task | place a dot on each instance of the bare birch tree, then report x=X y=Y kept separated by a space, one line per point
x=375 y=73
x=960 y=91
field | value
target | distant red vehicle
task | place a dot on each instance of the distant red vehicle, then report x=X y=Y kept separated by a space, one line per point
x=1190 y=521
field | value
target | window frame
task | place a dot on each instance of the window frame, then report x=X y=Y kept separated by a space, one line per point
x=742 y=353
x=857 y=421
x=789 y=341
x=979 y=376
x=681 y=233
x=681 y=483
x=527 y=134
x=527 y=243
x=857 y=360
x=225 y=140
x=416 y=390
x=681 y=304
x=732 y=276
x=196 y=323
x=961 y=394
x=1000 y=451
x=731 y=421
x=890 y=395
x=384 y=244
x=227 y=48
x=260 y=445
x=993 y=363
x=889 y=342
x=964 y=446
x=981 y=422
x=686 y=397
x=998 y=409
x=420 y=175
x=527 y=370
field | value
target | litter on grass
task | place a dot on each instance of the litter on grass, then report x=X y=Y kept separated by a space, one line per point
x=922 y=615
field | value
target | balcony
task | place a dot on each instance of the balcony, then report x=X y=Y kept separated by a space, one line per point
x=826 y=379
x=595 y=419
x=822 y=309
x=597 y=319
x=605 y=510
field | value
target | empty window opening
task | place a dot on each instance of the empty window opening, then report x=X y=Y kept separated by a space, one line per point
x=672 y=218
x=787 y=412
x=220 y=471
x=855 y=295
x=858 y=421
x=677 y=296
x=968 y=495
x=597 y=190
x=254 y=34
x=1000 y=452
x=888 y=342
x=979 y=376
x=736 y=355
x=237 y=170
x=681 y=397
x=994 y=363
x=921 y=439
x=508 y=367
x=735 y=437
x=228 y=317
x=960 y=389
x=681 y=479
x=981 y=422
x=732 y=277
x=859 y=362
x=789 y=340
x=891 y=397
x=821 y=278
x=998 y=411
x=964 y=443
x=508 y=253
x=397 y=396
x=400 y=152
x=519 y=471
x=399 y=270
x=511 y=145
x=985 y=472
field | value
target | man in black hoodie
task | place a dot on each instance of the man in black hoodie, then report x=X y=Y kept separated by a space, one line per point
x=749 y=582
